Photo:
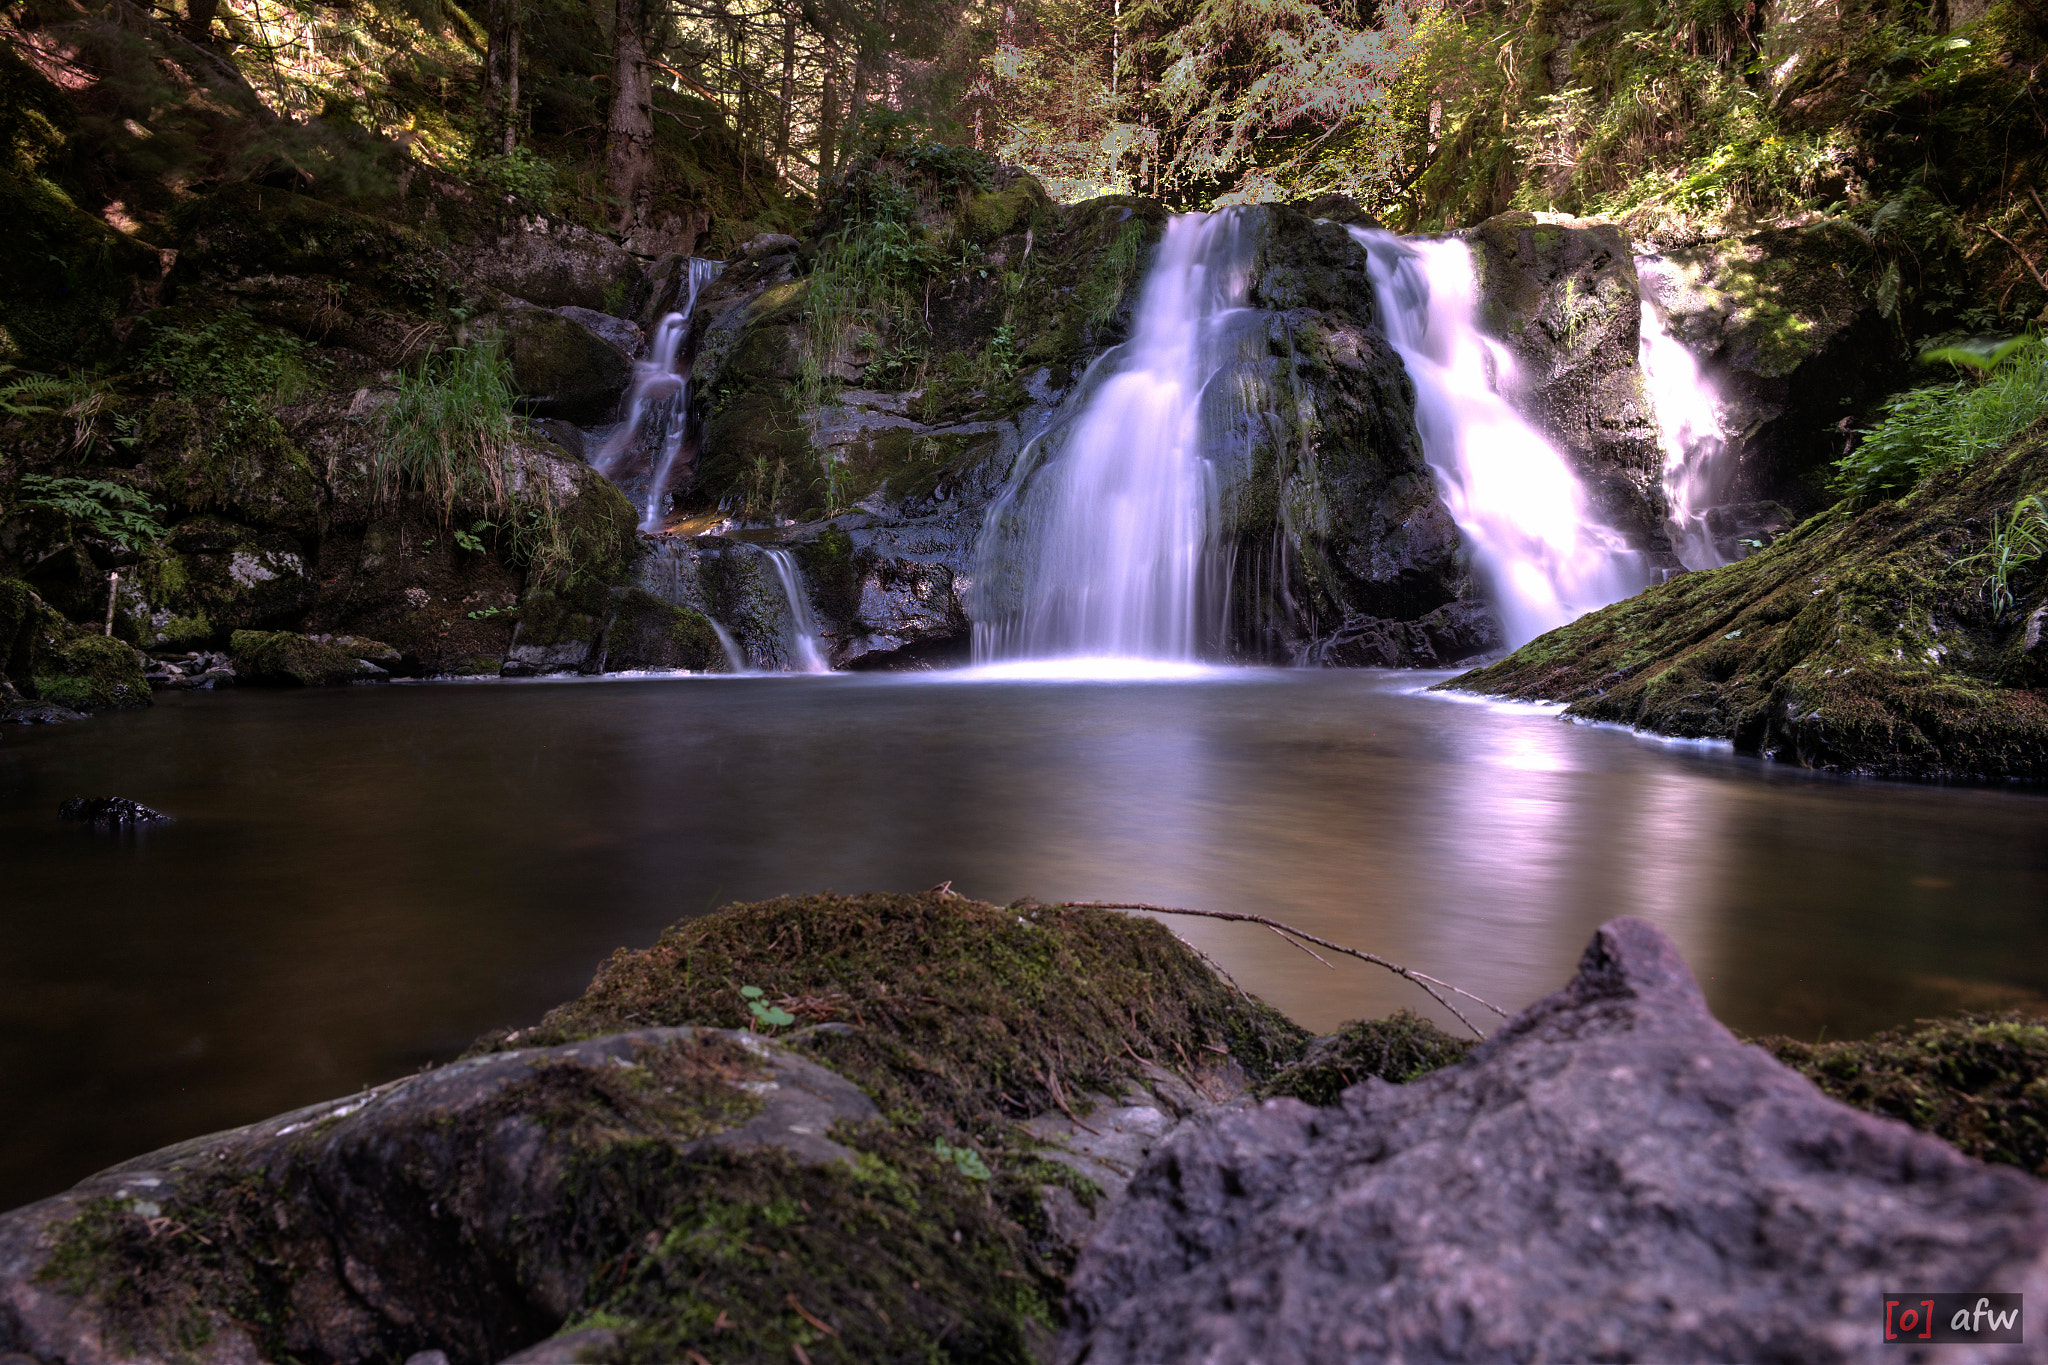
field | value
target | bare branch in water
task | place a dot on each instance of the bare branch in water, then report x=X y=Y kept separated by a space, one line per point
x=1422 y=979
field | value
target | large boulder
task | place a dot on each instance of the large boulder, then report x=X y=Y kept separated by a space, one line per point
x=1613 y=1176
x=561 y=366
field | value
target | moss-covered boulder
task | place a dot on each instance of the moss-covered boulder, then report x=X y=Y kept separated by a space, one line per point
x=1864 y=641
x=91 y=673
x=646 y=632
x=281 y=658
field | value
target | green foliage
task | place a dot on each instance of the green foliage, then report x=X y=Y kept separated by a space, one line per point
x=1979 y=1081
x=765 y=1014
x=966 y=1158
x=2018 y=538
x=447 y=432
x=521 y=173
x=92 y=508
x=232 y=359
x=1934 y=430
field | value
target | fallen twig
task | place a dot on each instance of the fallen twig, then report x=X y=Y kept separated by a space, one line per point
x=1426 y=982
x=2032 y=269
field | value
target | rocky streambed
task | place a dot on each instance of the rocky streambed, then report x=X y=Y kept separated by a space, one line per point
x=924 y=1127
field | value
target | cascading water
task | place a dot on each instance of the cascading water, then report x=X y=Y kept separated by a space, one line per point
x=1121 y=558
x=1688 y=427
x=804 y=647
x=658 y=404
x=1541 y=556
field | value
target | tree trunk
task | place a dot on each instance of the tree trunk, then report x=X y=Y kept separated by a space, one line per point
x=828 y=120
x=629 y=133
x=501 y=77
x=788 y=91
x=199 y=19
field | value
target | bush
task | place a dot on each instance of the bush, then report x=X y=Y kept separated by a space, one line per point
x=1932 y=430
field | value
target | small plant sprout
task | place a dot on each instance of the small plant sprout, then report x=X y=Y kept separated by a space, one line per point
x=765 y=1014
x=966 y=1158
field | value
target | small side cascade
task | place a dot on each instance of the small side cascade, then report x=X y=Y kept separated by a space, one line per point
x=805 y=648
x=658 y=404
x=735 y=657
x=1688 y=412
x=1543 y=559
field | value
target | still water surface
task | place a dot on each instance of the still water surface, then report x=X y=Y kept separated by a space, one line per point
x=362 y=880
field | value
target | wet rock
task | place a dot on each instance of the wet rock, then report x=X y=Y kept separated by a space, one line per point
x=1611 y=1176
x=16 y=709
x=90 y=672
x=563 y=368
x=1452 y=634
x=110 y=812
x=555 y=264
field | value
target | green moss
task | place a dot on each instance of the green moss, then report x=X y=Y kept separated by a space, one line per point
x=1979 y=1081
x=645 y=632
x=1397 y=1049
x=185 y=632
x=283 y=659
x=828 y=566
x=91 y=673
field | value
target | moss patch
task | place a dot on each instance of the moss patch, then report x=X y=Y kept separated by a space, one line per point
x=1861 y=641
x=1399 y=1048
x=1979 y=1081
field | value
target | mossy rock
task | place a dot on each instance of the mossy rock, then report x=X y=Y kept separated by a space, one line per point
x=560 y=367
x=280 y=658
x=646 y=632
x=186 y=632
x=91 y=673
x=1979 y=1081
x=1860 y=641
x=66 y=275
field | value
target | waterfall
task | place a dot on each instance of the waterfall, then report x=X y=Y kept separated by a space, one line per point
x=1688 y=426
x=658 y=404
x=804 y=644
x=1121 y=556
x=1541 y=557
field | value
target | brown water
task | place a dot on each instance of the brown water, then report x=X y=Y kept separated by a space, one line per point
x=362 y=880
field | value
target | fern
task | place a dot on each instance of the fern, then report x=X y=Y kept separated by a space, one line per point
x=95 y=507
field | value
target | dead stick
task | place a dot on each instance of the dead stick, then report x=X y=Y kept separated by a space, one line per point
x=1425 y=981
x=2032 y=269
x=1304 y=947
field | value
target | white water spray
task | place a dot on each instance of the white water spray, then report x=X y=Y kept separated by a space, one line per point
x=805 y=650
x=658 y=404
x=1123 y=560
x=735 y=658
x=1541 y=556
x=1688 y=427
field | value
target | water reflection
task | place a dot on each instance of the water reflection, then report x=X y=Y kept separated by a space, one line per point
x=363 y=880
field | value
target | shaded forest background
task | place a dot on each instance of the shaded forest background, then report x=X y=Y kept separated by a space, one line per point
x=678 y=124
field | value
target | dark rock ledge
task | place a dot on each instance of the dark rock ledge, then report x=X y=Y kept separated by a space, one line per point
x=1030 y=1134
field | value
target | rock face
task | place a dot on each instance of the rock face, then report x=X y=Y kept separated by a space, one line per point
x=1611 y=1177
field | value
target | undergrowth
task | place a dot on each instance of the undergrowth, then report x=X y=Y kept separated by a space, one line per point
x=447 y=433
x=1930 y=431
